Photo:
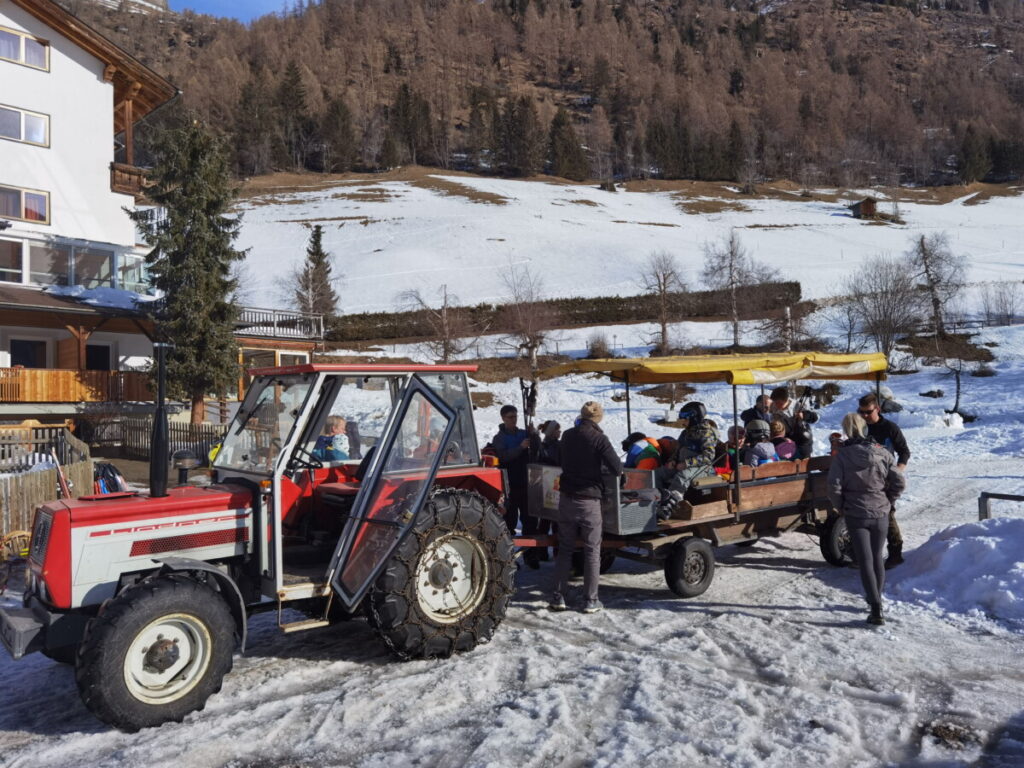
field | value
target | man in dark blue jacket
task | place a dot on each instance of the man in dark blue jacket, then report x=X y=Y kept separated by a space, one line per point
x=512 y=447
x=586 y=455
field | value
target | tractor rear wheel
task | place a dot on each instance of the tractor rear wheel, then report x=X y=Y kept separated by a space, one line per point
x=447 y=586
x=155 y=653
x=834 y=541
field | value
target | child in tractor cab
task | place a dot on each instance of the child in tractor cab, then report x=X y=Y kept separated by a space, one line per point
x=332 y=445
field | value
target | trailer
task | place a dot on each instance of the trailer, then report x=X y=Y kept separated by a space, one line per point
x=749 y=504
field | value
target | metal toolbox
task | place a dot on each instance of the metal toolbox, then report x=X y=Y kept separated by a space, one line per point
x=626 y=510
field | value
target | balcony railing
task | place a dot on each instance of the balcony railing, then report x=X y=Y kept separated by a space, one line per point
x=46 y=385
x=127 y=179
x=279 y=324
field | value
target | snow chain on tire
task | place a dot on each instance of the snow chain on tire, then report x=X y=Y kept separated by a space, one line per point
x=394 y=606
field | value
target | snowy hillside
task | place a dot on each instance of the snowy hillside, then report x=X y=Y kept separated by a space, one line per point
x=773 y=667
x=464 y=231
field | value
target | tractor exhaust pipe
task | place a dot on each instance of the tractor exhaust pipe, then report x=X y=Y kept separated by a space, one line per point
x=158 y=458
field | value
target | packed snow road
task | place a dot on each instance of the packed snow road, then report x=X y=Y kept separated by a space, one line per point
x=773 y=666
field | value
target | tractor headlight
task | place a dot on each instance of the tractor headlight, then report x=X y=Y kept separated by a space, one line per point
x=40 y=536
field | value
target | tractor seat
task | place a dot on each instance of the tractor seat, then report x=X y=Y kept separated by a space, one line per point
x=325 y=490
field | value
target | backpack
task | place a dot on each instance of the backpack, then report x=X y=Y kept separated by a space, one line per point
x=106 y=478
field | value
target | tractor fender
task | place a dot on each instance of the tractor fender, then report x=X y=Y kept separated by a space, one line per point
x=226 y=585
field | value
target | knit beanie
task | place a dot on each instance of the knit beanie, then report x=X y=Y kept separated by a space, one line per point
x=551 y=428
x=592 y=411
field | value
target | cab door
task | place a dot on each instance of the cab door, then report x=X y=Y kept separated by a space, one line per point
x=394 y=489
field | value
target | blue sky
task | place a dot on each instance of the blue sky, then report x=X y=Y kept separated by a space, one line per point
x=243 y=10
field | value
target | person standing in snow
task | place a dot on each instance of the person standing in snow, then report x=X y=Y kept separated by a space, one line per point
x=512 y=447
x=549 y=451
x=887 y=434
x=586 y=454
x=863 y=484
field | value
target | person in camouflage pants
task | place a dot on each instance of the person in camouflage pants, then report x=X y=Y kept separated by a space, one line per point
x=694 y=458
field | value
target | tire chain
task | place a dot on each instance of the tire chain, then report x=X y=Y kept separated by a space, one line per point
x=504 y=587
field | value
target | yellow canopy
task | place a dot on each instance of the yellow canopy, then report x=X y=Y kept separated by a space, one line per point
x=731 y=369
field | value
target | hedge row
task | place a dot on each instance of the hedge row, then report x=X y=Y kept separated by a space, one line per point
x=755 y=301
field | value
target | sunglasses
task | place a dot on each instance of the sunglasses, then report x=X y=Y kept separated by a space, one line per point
x=867 y=412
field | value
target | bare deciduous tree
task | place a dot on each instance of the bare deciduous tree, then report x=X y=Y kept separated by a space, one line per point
x=1001 y=302
x=661 y=277
x=940 y=272
x=885 y=299
x=728 y=267
x=452 y=332
x=526 y=317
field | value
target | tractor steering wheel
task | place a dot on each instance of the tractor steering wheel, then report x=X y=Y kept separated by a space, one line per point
x=303 y=459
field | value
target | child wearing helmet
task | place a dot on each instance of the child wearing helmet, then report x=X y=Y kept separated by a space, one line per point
x=694 y=458
x=760 y=448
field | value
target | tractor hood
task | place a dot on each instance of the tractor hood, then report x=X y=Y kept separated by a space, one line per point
x=185 y=499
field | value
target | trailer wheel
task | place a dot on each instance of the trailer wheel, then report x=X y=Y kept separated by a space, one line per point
x=155 y=653
x=834 y=540
x=447 y=587
x=690 y=567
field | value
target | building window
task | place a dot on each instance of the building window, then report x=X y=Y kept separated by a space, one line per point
x=97 y=357
x=28 y=353
x=10 y=261
x=22 y=125
x=24 y=204
x=93 y=268
x=23 y=48
x=133 y=273
x=48 y=264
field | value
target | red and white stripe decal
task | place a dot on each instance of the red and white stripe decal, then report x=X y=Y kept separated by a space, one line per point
x=171 y=524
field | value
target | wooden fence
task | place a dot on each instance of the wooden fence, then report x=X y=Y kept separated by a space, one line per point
x=22 y=491
x=137 y=433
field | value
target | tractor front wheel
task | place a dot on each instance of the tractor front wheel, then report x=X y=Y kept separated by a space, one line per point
x=155 y=653
x=447 y=586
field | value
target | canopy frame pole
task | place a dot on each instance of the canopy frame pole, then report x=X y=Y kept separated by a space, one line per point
x=736 y=460
x=878 y=386
x=629 y=415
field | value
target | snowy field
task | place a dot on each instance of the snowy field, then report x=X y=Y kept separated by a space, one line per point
x=392 y=236
x=772 y=667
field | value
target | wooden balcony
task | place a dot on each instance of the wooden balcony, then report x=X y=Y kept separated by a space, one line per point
x=46 y=385
x=128 y=180
x=279 y=324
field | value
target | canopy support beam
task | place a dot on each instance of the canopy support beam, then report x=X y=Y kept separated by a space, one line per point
x=736 y=464
x=629 y=415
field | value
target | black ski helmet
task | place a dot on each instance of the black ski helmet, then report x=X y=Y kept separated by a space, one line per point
x=694 y=411
x=758 y=431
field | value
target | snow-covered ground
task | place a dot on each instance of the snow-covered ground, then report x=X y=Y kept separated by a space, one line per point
x=772 y=666
x=392 y=236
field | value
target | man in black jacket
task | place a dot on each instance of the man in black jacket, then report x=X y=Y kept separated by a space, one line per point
x=888 y=435
x=762 y=409
x=586 y=452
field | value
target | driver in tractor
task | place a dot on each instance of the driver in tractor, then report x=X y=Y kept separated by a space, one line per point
x=694 y=458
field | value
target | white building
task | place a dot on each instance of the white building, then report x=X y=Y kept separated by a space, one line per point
x=69 y=99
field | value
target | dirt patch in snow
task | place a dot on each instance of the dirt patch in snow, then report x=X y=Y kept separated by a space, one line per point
x=455 y=189
x=364 y=220
x=705 y=205
x=494 y=370
x=581 y=201
x=644 y=223
x=367 y=195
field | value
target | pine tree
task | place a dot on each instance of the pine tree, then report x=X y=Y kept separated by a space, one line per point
x=522 y=146
x=410 y=122
x=314 y=289
x=974 y=160
x=191 y=260
x=567 y=157
x=254 y=128
x=338 y=137
x=294 y=120
x=735 y=153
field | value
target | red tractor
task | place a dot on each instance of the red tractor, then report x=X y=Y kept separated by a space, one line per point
x=386 y=511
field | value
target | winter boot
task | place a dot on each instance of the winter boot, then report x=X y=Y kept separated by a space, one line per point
x=531 y=558
x=875 y=617
x=592 y=606
x=669 y=505
x=557 y=602
x=895 y=557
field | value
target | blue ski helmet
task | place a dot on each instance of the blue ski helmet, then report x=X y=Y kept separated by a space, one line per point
x=694 y=411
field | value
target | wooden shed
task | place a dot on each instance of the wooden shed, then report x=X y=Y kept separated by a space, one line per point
x=864 y=209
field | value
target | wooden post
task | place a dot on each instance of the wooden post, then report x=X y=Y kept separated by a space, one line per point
x=129 y=133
